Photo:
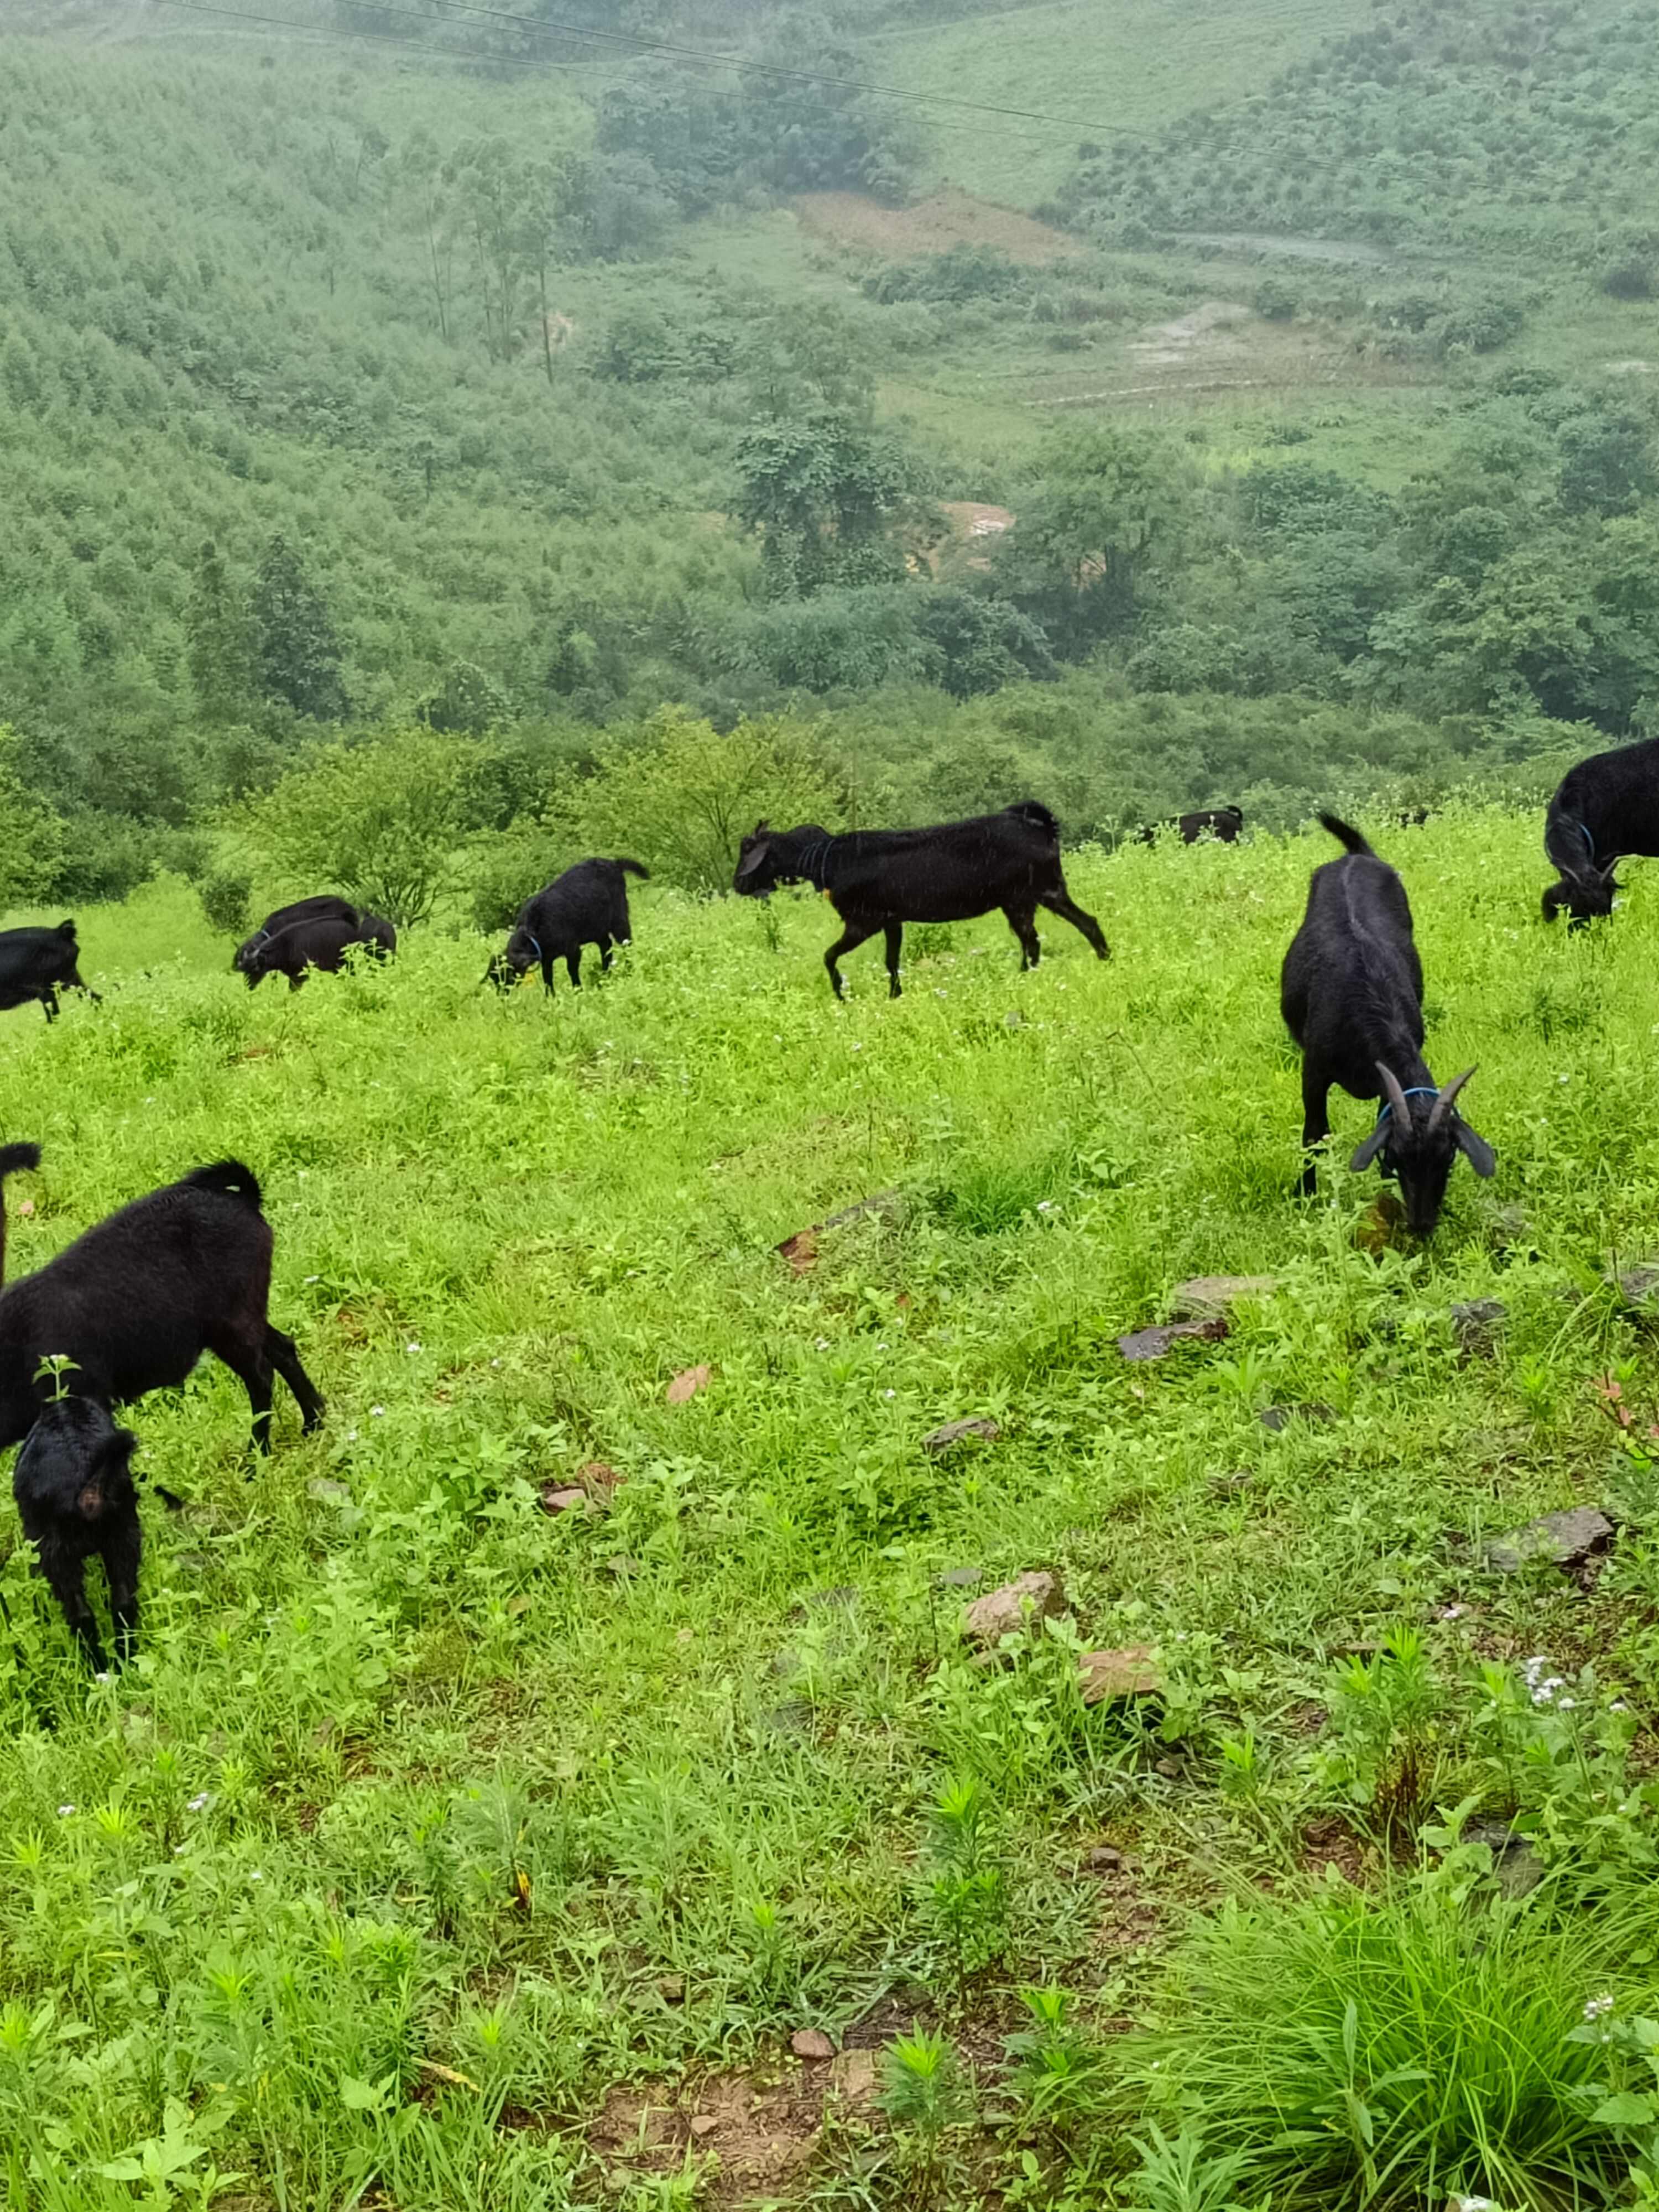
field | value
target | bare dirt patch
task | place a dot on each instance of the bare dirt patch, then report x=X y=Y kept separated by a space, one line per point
x=758 y=2135
x=949 y=218
x=1222 y=346
x=973 y=528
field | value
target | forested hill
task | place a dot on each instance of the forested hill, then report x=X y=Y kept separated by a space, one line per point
x=518 y=385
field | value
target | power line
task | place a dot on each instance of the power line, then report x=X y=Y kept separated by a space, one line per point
x=320 y=34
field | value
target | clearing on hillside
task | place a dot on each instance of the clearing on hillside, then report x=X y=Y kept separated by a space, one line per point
x=950 y=218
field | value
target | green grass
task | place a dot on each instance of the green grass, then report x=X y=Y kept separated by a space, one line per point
x=410 y=1774
x=1098 y=69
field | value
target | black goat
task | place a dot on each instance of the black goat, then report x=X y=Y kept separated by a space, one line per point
x=1606 y=809
x=882 y=879
x=73 y=1484
x=322 y=942
x=1351 y=994
x=38 y=963
x=134 y=1302
x=1224 y=823
x=326 y=907
x=586 y=905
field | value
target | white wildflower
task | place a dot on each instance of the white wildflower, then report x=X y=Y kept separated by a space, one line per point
x=1597 y=2006
x=64 y=1812
x=411 y=1347
x=375 y=1413
x=889 y=1394
x=200 y=1802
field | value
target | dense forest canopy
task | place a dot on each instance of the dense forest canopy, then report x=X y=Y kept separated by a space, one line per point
x=522 y=385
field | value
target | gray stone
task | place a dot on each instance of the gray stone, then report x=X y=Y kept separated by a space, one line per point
x=792 y=1718
x=1229 y=1485
x=1476 y=1323
x=1562 y=1539
x=1639 y=1286
x=961 y=1578
x=812 y=2043
x=1517 y=1868
x=1213 y=1294
x=954 y=1432
x=1104 y=1677
x=1153 y=1343
x=326 y=1492
x=1105 y=1858
x=1027 y=1600
x=623 y=1566
x=1277 y=1419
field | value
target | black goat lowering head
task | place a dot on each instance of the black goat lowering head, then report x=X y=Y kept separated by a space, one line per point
x=75 y=1466
x=1586 y=897
x=1419 y=1134
x=522 y=954
x=757 y=868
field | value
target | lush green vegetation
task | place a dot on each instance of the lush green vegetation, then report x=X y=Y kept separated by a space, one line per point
x=434 y=1836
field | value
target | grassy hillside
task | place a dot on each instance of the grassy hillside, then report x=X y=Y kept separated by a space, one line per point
x=439 y=1848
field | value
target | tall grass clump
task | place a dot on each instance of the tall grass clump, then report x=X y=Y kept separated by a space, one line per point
x=1355 y=2052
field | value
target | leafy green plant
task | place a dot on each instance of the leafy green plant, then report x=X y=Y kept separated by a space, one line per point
x=968 y=1890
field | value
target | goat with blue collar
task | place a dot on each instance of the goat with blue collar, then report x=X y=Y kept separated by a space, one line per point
x=586 y=905
x=1606 y=809
x=1352 y=992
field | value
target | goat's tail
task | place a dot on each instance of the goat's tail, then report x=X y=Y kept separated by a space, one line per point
x=14 y=1159
x=1039 y=817
x=231 y=1178
x=634 y=868
x=1345 y=833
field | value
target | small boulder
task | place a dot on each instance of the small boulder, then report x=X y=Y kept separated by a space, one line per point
x=953 y=1432
x=703 y=2124
x=670 y=1988
x=560 y=1498
x=1476 y=1323
x=623 y=1566
x=960 y=1578
x=1637 y=1286
x=1105 y=1858
x=801 y=1250
x=1027 y=1600
x=1277 y=1419
x=1564 y=1539
x=687 y=1383
x=1154 y=1343
x=812 y=2043
x=855 y=2075
x=1104 y=1676
x=1203 y=1295
x=1515 y=1866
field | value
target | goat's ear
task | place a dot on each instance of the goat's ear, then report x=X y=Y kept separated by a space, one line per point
x=1476 y=1150
x=759 y=847
x=1369 y=1150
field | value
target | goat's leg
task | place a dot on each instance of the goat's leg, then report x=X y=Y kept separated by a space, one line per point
x=1062 y=904
x=284 y=1356
x=123 y=1547
x=606 y=955
x=1022 y=920
x=894 y=932
x=1315 y=1125
x=64 y=1569
x=573 y=961
x=547 y=973
x=244 y=1350
x=49 y=1000
x=851 y=937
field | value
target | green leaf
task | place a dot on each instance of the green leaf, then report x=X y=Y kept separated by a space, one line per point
x=1626 y=2109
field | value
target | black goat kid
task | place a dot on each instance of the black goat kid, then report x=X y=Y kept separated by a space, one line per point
x=586 y=905
x=1351 y=994
x=1606 y=809
x=133 y=1304
x=73 y=1484
x=879 y=879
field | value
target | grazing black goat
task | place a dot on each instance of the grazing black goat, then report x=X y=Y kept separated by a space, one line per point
x=1352 y=997
x=586 y=905
x=326 y=908
x=1606 y=809
x=38 y=963
x=73 y=1484
x=322 y=942
x=134 y=1302
x=1224 y=823
x=882 y=879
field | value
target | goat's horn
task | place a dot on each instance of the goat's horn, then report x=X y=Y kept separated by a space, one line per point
x=1447 y=1098
x=1402 y=1112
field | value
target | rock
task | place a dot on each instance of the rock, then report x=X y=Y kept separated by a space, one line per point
x=812 y=2043
x=1203 y=1295
x=1277 y=1419
x=703 y=2124
x=792 y=1718
x=595 y=1475
x=569 y=1500
x=687 y=1382
x=1475 y=1322
x=1153 y=1343
x=1564 y=1539
x=327 y=1492
x=1105 y=1858
x=1229 y=1485
x=855 y=2075
x=960 y=1578
x=843 y=1596
x=623 y=1565
x=1637 y=1287
x=1517 y=1868
x=953 y=1432
x=1129 y=1672
x=801 y=1250
x=1027 y=1600
x=670 y=1988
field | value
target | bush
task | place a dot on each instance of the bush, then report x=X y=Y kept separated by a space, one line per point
x=1630 y=277
x=1275 y=300
x=680 y=797
x=226 y=897
x=1406 y=2047
x=383 y=820
x=503 y=872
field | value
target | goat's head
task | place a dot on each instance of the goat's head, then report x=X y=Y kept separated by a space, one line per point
x=1585 y=896
x=757 y=863
x=1418 y=1135
x=523 y=953
x=75 y=1455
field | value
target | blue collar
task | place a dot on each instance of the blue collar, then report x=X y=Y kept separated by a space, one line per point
x=536 y=944
x=1587 y=839
x=1420 y=1091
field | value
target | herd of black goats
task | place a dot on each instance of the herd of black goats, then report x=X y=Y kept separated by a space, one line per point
x=132 y=1306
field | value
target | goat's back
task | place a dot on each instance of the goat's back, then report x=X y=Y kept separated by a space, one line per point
x=950 y=871
x=1354 y=963
x=588 y=901
x=1615 y=796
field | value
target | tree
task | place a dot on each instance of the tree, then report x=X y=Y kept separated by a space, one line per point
x=684 y=796
x=1107 y=508
x=218 y=626
x=384 y=821
x=32 y=836
x=824 y=489
x=296 y=652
